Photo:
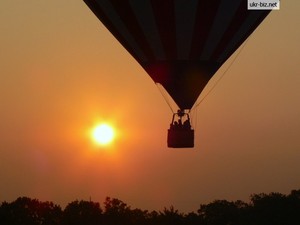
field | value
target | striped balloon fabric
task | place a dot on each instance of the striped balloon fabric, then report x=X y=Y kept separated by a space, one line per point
x=180 y=43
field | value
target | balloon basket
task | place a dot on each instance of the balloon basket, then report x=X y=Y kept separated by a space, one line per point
x=180 y=138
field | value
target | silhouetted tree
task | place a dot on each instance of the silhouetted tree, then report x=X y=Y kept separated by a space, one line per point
x=294 y=209
x=116 y=212
x=26 y=211
x=138 y=217
x=275 y=209
x=171 y=216
x=153 y=218
x=263 y=209
x=221 y=212
x=193 y=219
x=82 y=213
x=49 y=213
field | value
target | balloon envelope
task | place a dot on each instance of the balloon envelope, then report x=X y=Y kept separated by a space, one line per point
x=180 y=43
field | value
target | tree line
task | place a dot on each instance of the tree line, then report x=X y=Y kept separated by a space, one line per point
x=262 y=209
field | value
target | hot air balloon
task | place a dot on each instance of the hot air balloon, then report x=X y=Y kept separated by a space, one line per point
x=180 y=44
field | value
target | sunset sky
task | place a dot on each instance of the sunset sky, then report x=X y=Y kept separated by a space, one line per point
x=62 y=72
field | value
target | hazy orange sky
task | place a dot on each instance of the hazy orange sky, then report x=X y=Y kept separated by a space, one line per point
x=61 y=72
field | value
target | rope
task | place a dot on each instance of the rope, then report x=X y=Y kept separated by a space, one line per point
x=194 y=118
x=217 y=82
x=164 y=96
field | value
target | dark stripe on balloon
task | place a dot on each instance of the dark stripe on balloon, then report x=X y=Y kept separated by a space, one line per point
x=185 y=22
x=124 y=11
x=165 y=20
x=206 y=13
x=104 y=11
x=239 y=18
x=248 y=27
x=222 y=20
x=144 y=14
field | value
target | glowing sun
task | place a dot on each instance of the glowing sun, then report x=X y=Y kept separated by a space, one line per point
x=103 y=134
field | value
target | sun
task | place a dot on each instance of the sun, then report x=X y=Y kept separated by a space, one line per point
x=103 y=134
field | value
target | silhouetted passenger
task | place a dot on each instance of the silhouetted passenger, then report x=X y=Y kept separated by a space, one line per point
x=179 y=123
x=187 y=124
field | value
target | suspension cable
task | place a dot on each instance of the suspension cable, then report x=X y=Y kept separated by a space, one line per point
x=164 y=96
x=222 y=75
x=194 y=118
